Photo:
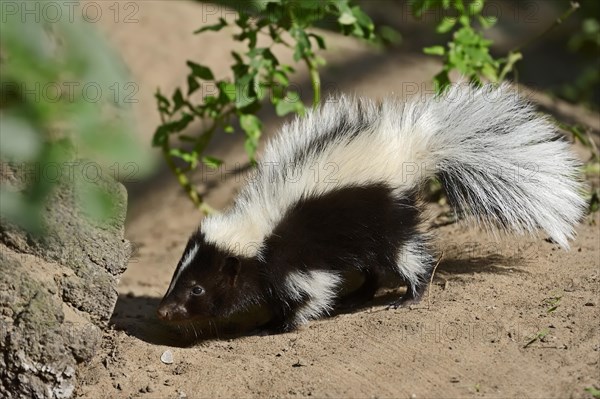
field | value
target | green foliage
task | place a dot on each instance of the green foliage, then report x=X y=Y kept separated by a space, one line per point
x=47 y=120
x=468 y=52
x=594 y=392
x=257 y=76
x=591 y=168
x=539 y=336
x=585 y=43
x=553 y=302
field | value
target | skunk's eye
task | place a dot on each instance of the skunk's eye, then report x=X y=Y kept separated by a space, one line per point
x=197 y=290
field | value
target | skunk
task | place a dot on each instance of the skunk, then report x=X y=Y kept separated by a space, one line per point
x=338 y=191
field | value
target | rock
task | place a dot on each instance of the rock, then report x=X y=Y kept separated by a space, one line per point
x=58 y=289
x=167 y=357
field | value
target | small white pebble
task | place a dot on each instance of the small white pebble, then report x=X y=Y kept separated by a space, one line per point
x=167 y=357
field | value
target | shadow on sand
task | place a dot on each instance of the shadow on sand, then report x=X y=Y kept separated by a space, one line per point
x=136 y=315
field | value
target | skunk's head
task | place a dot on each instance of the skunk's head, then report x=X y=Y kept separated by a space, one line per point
x=203 y=285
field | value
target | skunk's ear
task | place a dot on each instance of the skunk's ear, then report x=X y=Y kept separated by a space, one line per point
x=231 y=268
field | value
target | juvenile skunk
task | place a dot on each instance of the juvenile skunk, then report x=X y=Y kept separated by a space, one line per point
x=338 y=191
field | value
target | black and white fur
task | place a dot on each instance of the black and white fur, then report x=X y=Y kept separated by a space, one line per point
x=338 y=191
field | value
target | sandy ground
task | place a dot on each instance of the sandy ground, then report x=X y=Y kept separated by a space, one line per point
x=472 y=336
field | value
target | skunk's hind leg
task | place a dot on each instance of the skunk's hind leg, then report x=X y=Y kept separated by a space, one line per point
x=364 y=293
x=415 y=265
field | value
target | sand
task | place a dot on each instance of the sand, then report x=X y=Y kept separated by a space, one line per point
x=474 y=334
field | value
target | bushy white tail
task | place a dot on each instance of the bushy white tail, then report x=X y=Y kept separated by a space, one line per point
x=501 y=163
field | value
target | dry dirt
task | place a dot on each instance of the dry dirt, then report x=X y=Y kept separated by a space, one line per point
x=472 y=336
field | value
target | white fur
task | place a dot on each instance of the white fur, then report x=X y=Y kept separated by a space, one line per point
x=318 y=286
x=519 y=170
x=187 y=260
x=413 y=263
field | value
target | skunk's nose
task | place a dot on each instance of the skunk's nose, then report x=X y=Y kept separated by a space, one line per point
x=163 y=313
x=171 y=311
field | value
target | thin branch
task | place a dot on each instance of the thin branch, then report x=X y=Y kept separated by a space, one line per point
x=181 y=177
x=558 y=21
x=431 y=280
x=315 y=80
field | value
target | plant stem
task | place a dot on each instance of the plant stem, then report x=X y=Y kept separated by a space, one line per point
x=315 y=80
x=179 y=174
x=181 y=177
x=512 y=59
x=558 y=21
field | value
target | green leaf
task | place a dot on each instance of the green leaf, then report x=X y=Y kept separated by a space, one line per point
x=319 y=39
x=441 y=81
x=162 y=100
x=487 y=22
x=490 y=73
x=281 y=77
x=178 y=100
x=286 y=106
x=259 y=88
x=434 y=50
x=161 y=135
x=389 y=35
x=419 y=7
x=594 y=392
x=319 y=61
x=251 y=35
x=251 y=125
x=211 y=162
x=475 y=7
x=216 y=27
x=363 y=19
x=250 y=145
x=347 y=18
x=162 y=132
x=184 y=155
x=445 y=25
x=298 y=53
x=303 y=46
x=539 y=336
x=268 y=55
x=193 y=84
x=594 y=202
x=163 y=103
x=244 y=96
x=513 y=58
x=200 y=71
x=274 y=34
x=228 y=89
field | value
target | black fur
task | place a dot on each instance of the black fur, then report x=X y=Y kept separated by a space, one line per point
x=352 y=123
x=353 y=228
